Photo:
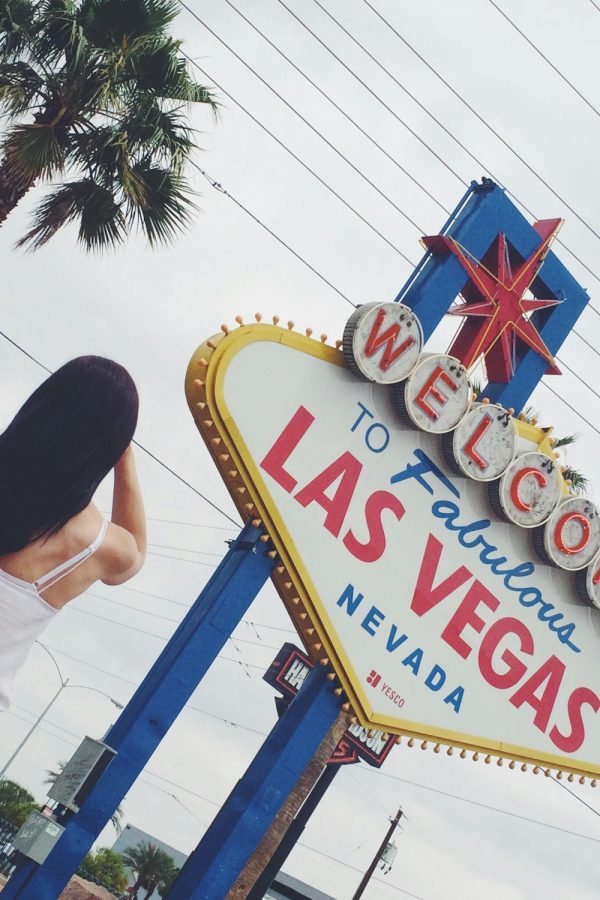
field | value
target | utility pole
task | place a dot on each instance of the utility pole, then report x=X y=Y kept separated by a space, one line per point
x=366 y=877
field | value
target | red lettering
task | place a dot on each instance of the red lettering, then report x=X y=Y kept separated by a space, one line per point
x=346 y=467
x=373 y=549
x=516 y=484
x=551 y=671
x=388 y=338
x=516 y=668
x=426 y=596
x=284 y=446
x=430 y=389
x=569 y=743
x=469 y=448
x=560 y=527
x=466 y=615
x=596 y=577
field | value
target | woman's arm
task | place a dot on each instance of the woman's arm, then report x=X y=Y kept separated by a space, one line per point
x=129 y=535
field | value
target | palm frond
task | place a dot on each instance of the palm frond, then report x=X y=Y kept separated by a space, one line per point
x=162 y=135
x=34 y=150
x=17 y=18
x=21 y=88
x=102 y=224
x=564 y=441
x=165 y=205
x=578 y=481
x=107 y=23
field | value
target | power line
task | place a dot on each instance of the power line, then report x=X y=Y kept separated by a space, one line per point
x=158 y=637
x=571 y=407
x=336 y=106
x=192 y=524
x=300 y=161
x=219 y=187
x=376 y=772
x=475 y=113
x=446 y=130
x=354 y=868
x=147 y=612
x=302 y=118
x=186 y=550
x=186 y=483
x=434 y=118
x=187 y=606
x=497 y=809
x=578 y=377
x=135 y=684
x=374 y=94
x=573 y=794
x=545 y=58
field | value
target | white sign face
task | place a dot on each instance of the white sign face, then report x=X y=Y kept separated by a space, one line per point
x=436 y=614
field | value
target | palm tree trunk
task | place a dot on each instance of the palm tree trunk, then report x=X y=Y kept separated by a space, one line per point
x=13 y=187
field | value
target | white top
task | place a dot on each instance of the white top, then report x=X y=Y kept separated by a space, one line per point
x=24 y=614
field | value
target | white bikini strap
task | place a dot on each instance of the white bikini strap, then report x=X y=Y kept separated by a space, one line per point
x=51 y=578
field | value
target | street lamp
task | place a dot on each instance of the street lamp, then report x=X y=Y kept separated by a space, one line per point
x=64 y=683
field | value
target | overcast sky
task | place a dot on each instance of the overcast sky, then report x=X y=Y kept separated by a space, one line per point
x=472 y=830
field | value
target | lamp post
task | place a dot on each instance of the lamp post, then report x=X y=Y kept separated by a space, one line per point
x=64 y=683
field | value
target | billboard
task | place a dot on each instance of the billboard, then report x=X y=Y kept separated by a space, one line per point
x=428 y=547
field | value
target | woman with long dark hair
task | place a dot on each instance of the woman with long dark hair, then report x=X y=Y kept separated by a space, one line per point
x=54 y=543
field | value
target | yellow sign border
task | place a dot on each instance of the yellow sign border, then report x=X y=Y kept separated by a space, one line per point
x=205 y=396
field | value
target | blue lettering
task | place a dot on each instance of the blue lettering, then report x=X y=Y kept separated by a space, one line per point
x=413 y=660
x=528 y=596
x=365 y=412
x=418 y=470
x=436 y=678
x=392 y=643
x=455 y=698
x=350 y=600
x=372 y=620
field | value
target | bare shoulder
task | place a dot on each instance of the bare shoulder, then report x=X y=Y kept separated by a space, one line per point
x=119 y=555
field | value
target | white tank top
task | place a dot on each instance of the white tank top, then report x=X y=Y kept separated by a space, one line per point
x=24 y=615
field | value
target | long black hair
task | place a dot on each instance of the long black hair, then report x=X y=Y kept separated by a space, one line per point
x=63 y=441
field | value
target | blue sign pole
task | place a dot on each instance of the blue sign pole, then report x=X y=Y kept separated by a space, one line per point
x=213 y=867
x=153 y=709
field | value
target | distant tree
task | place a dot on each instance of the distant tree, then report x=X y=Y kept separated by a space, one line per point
x=166 y=882
x=15 y=803
x=107 y=866
x=153 y=868
x=117 y=817
x=94 y=92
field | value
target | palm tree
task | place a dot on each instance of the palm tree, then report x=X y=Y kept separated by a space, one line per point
x=154 y=868
x=106 y=88
x=117 y=816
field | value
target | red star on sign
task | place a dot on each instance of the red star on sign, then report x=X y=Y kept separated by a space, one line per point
x=495 y=306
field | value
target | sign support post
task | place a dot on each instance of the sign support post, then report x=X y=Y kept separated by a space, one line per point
x=293 y=833
x=153 y=709
x=214 y=865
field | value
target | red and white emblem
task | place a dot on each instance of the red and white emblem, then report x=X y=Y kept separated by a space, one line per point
x=495 y=304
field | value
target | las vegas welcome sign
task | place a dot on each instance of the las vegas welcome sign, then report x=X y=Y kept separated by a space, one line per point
x=427 y=544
